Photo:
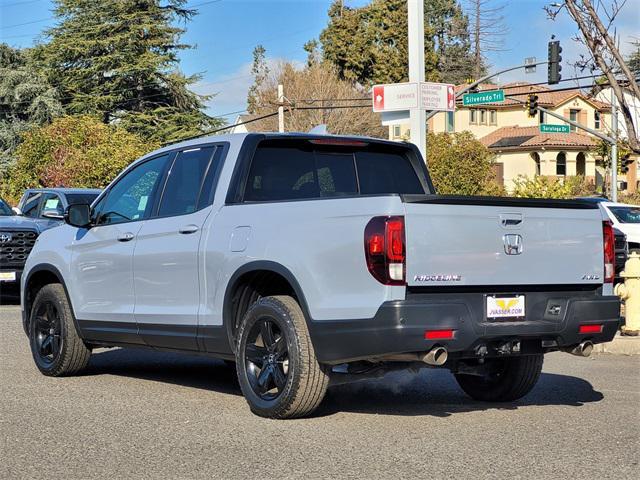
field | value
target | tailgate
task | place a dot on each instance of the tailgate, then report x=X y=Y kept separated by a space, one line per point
x=464 y=241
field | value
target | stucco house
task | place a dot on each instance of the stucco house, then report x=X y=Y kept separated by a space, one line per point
x=515 y=138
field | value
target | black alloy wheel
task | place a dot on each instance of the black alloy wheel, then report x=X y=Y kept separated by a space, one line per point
x=47 y=333
x=56 y=347
x=267 y=359
x=278 y=372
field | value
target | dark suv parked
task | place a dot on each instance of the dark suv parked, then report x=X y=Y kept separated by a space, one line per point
x=17 y=236
x=47 y=205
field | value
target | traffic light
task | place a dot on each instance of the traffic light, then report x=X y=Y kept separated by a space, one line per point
x=532 y=104
x=625 y=163
x=554 y=67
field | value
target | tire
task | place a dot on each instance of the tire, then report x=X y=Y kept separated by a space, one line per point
x=513 y=378
x=56 y=348
x=298 y=382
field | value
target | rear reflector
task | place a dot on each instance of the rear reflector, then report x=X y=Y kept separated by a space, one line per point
x=438 y=334
x=591 y=328
x=608 y=241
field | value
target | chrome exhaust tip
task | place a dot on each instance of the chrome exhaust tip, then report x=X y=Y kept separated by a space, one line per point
x=437 y=356
x=584 y=349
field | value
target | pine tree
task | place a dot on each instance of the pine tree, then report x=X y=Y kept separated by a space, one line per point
x=118 y=59
x=26 y=100
x=369 y=44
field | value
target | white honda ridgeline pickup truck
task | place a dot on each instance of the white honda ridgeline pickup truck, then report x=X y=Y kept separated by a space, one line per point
x=311 y=260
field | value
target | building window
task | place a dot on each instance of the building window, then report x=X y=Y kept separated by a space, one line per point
x=596 y=119
x=493 y=117
x=396 y=131
x=561 y=165
x=573 y=116
x=473 y=116
x=541 y=118
x=483 y=117
x=536 y=159
x=450 y=122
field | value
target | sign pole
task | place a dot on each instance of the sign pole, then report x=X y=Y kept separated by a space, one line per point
x=614 y=148
x=280 y=108
x=418 y=120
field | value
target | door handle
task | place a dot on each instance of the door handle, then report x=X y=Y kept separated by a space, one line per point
x=187 y=229
x=125 y=237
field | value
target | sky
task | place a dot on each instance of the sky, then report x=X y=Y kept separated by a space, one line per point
x=225 y=32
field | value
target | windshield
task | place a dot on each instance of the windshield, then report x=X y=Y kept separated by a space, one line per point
x=626 y=214
x=5 y=209
x=81 y=198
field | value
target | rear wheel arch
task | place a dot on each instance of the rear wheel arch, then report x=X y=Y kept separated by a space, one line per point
x=253 y=281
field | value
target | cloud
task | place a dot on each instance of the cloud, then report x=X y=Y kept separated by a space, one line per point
x=230 y=91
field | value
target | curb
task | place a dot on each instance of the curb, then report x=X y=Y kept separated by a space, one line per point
x=620 y=345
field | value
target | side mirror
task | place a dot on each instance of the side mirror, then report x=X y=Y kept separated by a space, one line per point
x=78 y=215
x=54 y=214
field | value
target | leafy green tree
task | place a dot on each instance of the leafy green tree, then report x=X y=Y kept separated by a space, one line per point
x=260 y=72
x=118 y=59
x=369 y=44
x=461 y=165
x=73 y=151
x=26 y=100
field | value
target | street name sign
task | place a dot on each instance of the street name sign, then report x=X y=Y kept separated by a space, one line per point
x=395 y=96
x=437 y=96
x=479 y=98
x=550 y=128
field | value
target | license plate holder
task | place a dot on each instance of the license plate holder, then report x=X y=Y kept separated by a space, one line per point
x=500 y=308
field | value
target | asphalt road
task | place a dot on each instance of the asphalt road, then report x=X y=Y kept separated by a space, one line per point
x=139 y=414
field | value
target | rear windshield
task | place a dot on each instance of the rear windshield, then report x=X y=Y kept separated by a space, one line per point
x=81 y=198
x=301 y=170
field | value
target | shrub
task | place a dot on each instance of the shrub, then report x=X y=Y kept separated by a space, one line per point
x=461 y=165
x=552 y=187
x=74 y=151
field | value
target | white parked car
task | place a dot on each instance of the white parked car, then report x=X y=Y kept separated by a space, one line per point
x=625 y=218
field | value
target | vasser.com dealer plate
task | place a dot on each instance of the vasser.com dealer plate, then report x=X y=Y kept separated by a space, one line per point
x=7 y=276
x=506 y=307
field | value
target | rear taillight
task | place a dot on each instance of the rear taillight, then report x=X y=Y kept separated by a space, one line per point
x=385 y=250
x=608 y=240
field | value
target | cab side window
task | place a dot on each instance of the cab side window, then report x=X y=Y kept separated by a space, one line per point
x=31 y=204
x=50 y=202
x=132 y=197
x=184 y=182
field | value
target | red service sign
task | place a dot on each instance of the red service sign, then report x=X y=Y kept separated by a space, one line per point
x=378 y=98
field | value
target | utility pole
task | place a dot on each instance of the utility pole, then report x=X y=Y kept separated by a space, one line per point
x=614 y=148
x=417 y=116
x=281 y=108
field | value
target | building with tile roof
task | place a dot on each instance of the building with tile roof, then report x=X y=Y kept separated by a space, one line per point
x=516 y=140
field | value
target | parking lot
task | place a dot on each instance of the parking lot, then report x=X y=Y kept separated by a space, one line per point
x=155 y=415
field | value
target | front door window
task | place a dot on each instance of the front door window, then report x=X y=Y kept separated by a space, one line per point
x=130 y=198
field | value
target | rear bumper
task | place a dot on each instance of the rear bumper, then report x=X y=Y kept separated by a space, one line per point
x=399 y=326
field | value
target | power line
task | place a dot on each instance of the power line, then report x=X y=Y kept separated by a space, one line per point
x=226 y=127
x=4 y=5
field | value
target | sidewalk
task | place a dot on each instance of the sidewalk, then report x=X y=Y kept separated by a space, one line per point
x=621 y=345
